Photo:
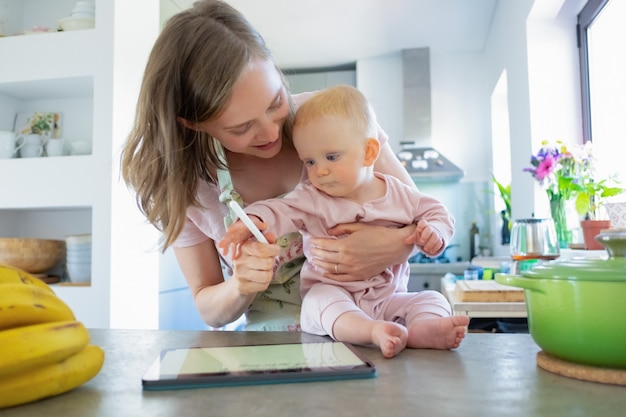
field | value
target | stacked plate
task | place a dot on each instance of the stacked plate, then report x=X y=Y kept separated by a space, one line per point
x=78 y=257
x=83 y=16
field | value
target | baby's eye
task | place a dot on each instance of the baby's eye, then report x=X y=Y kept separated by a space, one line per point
x=332 y=157
x=309 y=163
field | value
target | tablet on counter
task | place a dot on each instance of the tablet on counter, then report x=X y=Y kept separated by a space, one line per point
x=256 y=364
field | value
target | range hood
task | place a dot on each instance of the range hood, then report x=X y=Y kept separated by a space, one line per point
x=424 y=163
x=428 y=165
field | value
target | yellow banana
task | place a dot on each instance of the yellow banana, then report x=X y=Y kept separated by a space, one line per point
x=28 y=347
x=53 y=379
x=23 y=305
x=12 y=275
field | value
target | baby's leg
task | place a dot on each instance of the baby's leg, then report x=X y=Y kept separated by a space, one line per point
x=437 y=332
x=428 y=320
x=358 y=328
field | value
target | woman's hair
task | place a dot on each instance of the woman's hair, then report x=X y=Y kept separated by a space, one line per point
x=190 y=74
x=343 y=101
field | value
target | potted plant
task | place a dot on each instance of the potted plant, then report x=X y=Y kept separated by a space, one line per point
x=505 y=195
x=568 y=175
x=591 y=197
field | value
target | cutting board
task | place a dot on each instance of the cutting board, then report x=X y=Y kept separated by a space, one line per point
x=487 y=291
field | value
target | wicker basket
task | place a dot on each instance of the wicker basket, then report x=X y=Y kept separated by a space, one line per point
x=31 y=255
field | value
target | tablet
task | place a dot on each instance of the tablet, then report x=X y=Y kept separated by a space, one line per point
x=259 y=364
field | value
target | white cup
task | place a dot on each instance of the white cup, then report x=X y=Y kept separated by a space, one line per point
x=32 y=145
x=54 y=147
x=8 y=141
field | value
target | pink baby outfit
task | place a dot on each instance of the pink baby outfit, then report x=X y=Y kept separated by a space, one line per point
x=383 y=296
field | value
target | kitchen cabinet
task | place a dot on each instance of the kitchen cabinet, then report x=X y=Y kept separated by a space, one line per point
x=91 y=77
x=300 y=82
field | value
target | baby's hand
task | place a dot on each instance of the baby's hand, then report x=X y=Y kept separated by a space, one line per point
x=238 y=233
x=427 y=238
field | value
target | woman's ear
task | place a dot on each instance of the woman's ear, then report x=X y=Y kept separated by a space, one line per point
x=189 y=125
x=372 y=148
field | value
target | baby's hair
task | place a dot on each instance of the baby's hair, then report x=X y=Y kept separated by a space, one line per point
x=343 y=101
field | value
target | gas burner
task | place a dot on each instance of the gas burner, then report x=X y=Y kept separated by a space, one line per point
x=421 y=258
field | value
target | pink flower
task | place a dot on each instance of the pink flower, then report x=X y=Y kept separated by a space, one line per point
x=545 y=167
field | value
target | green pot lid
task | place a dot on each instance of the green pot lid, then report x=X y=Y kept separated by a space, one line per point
x=612 y=269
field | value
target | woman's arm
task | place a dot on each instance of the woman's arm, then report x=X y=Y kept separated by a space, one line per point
x=221 y=301
x=388 y=163
x=365 y=252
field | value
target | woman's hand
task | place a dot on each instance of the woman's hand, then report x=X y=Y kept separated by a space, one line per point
x=253 y=266
x=364 y=252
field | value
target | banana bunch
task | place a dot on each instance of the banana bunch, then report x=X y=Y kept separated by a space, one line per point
x=44 y=350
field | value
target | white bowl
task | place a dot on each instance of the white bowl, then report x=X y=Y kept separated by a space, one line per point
x=85 y=3
x=81 y=258
x=83 y=15
x=78 y=247
x=78 y=256
x=79 y=271
x=84 y=7
x=78 y=239
x=72 y=23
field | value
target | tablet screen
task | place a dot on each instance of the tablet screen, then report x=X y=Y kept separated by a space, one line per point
x=235 y=365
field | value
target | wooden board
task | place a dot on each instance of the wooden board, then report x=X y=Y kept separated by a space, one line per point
x=487 y=291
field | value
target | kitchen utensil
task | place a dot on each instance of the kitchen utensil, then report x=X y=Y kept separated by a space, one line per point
x=8 y=144
x=32 y=255
x=32 y=145
x=75 y=23
x=54 y=147
x=78 y=257
x=534 y=239
x=576 y=307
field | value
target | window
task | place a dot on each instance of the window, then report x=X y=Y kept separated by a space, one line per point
x=603 y=76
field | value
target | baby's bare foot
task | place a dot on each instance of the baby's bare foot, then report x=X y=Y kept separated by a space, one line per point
x=437 y=333
x=390 y=337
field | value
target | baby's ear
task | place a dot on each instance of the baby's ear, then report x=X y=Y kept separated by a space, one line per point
x=372 y=148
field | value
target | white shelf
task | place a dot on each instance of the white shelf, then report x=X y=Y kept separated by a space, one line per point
x=59 y=55
x=91 y=77
x=48 y=182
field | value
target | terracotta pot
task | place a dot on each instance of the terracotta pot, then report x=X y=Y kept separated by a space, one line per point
x=591 y=229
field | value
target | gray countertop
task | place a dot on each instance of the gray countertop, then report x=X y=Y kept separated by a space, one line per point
x=489 y=375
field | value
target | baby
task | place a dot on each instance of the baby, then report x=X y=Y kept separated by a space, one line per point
x=334 y=134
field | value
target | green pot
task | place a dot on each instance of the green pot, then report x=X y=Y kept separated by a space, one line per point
x=577 y=308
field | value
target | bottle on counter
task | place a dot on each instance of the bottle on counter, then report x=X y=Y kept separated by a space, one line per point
x=506 y=231
x=474 y=236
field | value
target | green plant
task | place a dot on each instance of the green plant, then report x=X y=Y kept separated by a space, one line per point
x=569 y=173
x=505 y=195
x=592 y=194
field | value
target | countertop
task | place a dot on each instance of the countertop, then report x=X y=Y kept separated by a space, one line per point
x=488 y=375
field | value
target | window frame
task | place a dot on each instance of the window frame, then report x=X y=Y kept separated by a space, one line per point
x=586 y=17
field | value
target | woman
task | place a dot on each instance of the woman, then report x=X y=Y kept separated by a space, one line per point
x=213 y=124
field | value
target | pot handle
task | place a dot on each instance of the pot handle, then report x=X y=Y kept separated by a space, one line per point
x=518 y=281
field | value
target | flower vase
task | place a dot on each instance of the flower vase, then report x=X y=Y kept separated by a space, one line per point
x=559 y=217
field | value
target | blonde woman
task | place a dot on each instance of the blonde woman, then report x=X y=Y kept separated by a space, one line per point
x=213 y=124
